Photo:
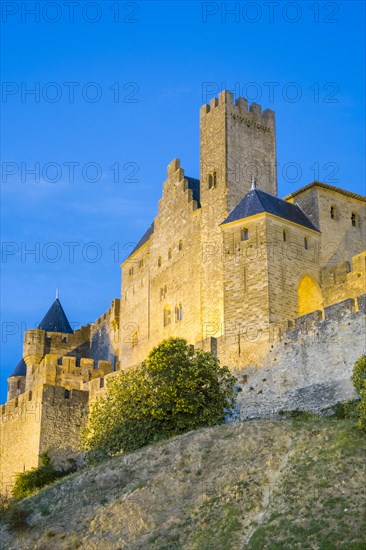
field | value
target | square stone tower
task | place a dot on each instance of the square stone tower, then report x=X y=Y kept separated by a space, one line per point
x=237 y=145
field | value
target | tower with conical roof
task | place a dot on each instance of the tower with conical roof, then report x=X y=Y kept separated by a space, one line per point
x=55 y=320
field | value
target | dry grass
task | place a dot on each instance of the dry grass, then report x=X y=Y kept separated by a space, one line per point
x=276 y=485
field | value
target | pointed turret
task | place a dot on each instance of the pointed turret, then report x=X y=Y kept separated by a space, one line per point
x=55 y=319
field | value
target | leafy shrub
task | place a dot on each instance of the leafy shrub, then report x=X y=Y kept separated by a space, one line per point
x=359 y=382
x=348 y=410
x=359 y=374
x=178 y=388
x=31 y=480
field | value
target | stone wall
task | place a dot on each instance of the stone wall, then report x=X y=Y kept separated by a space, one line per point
x=344 y=280
x=309 y=366
x=64 y=414
x=45 y=419
x=20 y=427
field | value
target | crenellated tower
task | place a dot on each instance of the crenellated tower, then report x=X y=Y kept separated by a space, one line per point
x=237 y=144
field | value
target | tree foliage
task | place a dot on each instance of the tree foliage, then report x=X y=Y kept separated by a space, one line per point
x=178 y=388
x=359 y=382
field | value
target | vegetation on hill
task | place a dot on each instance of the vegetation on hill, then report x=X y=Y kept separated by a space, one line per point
x=178 y=388
x=257 y=485
x=31 y=480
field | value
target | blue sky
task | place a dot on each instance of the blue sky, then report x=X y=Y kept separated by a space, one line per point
x=117 y=97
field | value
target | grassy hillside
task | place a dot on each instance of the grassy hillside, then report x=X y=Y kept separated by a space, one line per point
x=256 y=485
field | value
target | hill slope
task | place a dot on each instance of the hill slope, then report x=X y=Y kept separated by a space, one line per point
x=276 y=485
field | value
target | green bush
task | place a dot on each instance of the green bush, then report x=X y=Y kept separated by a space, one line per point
x=359 y=382
x=30 y=481
x=178 y=388
x=348 y=410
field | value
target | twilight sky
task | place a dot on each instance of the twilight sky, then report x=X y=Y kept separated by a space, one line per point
x=98 y=97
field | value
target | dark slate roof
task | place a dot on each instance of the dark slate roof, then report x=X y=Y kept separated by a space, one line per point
x=20 y=369
x=55 y=320
x=257 y=201
x=194 y=184
x=146 y=236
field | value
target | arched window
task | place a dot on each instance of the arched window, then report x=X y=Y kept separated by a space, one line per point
x=354 y=219
x=167 y=316
x=306 y=245
x=333 y=212
x=244 y=234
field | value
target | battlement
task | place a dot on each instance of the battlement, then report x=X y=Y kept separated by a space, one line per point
x=241 y=110
x=111 y=315
x=316 y=321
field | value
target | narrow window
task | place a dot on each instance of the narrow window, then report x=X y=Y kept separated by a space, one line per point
x=167 y=316
x=161 y=293
x=214 y=179
x=18 y=384
x=178 y=313
x=332 y=212
x=64 y=339
x=210 y=181
x=159 y=261
x=30 y=395
x=130 y=271
x=169 y=254
x=354 y=219
x=284 y=236
x=67 y=394
x=306 y=246
x=101 y=382
x=141 y=263
x=244 y=234
x=180 y=245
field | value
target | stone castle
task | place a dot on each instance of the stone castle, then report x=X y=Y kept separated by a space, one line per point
x=274 y=287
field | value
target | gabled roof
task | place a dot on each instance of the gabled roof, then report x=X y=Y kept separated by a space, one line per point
x=55 y=320
x=326 y=186
x=20 y=369
x=258 y=201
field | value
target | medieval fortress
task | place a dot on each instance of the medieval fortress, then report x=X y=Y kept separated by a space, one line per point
x=274 y=287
